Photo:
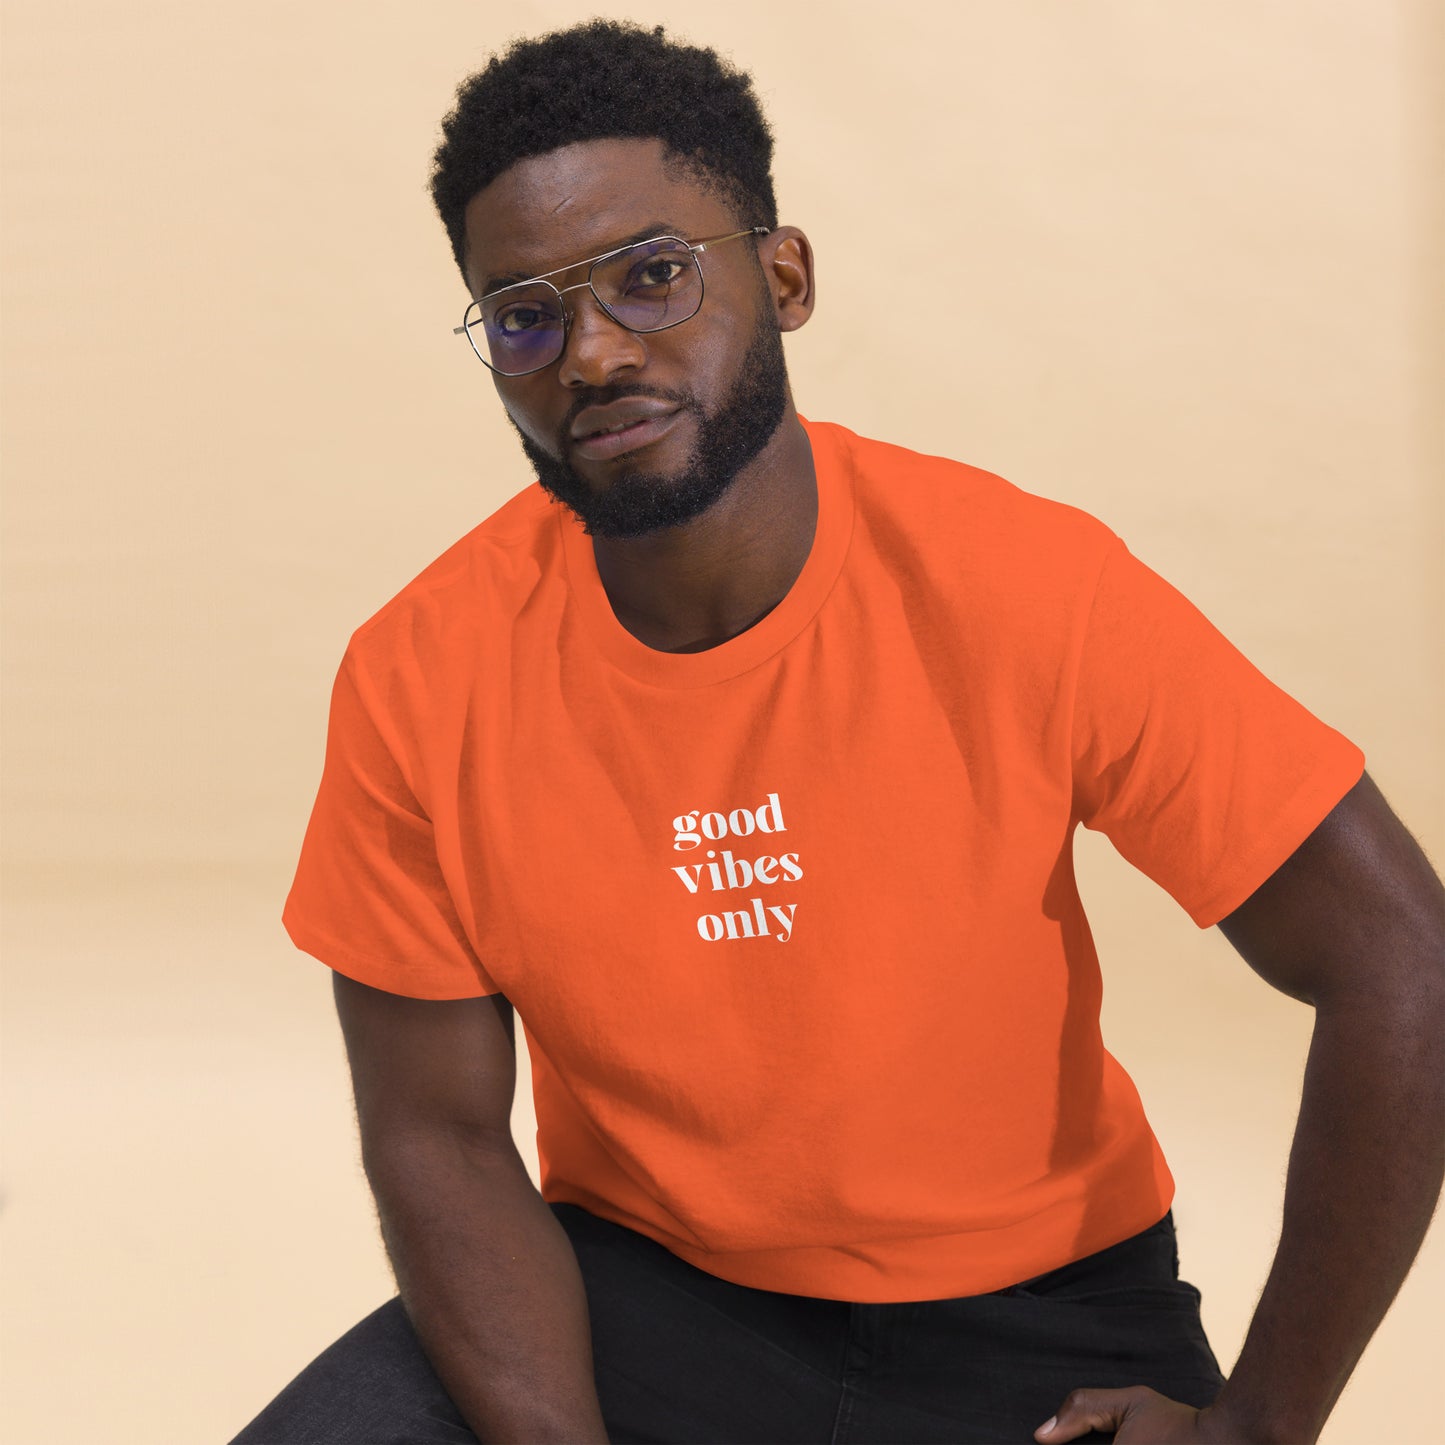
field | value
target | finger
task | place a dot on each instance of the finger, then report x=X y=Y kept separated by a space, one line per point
x=1085 y=1410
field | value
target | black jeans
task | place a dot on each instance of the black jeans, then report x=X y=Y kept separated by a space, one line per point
x=682 y=1356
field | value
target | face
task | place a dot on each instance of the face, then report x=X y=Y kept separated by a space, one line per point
x=696 y=402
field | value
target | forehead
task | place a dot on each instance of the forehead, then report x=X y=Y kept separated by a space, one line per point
x=574 y=202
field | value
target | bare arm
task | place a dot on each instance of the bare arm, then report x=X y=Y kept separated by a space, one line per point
x=1354 y=924
x=486 y=1274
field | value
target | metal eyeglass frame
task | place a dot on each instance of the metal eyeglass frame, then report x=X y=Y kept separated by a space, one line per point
x=592 y=262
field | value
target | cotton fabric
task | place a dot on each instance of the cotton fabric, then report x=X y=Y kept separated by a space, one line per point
x=791 y=923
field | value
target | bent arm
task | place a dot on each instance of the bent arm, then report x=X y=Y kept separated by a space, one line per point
x=1354 y=924
x=488 y=1277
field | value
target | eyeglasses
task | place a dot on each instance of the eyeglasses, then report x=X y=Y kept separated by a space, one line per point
x=647 y=286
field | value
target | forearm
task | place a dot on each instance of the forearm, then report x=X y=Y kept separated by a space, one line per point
x=1365 y=1172
x=491 y=1284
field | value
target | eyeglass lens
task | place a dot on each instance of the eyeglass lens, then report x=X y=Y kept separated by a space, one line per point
x=646 y=287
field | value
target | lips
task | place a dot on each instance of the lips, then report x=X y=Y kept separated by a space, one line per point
x=602 y=432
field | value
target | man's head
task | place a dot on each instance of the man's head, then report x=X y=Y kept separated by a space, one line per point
x=570 y=146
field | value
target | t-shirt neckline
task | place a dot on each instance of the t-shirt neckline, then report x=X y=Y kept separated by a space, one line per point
x=762 y=640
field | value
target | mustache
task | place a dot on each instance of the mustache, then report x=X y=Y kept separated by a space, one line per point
x=606 y=395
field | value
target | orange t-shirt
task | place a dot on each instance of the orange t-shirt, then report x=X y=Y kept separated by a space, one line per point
x=791 y=924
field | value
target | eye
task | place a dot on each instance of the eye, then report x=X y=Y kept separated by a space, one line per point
x=657 y=271
x=521 y=317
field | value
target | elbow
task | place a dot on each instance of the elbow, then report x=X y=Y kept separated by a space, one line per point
x=425 y=1159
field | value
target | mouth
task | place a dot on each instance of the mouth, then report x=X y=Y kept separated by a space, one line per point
x=615 y=441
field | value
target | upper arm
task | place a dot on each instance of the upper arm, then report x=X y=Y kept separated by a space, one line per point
x=422 y=1066
x=1356 y=911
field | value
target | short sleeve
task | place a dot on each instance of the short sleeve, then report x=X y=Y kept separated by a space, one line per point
x=369 y=898
x=1201 y=772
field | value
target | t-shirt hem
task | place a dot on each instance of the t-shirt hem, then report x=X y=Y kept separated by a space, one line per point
x=387 y=977
x=974 y=1262
x=978 y=1262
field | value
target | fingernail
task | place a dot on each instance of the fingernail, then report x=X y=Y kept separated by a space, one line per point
x=1047 y=1425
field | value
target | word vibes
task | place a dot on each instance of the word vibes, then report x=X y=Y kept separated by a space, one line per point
x=724 y=871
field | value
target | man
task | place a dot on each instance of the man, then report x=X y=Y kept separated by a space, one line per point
x=754 y=794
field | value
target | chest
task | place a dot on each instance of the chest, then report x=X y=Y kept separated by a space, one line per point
x=815 y=803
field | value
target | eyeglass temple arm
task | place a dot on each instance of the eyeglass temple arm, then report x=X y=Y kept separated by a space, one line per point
x=718 y=240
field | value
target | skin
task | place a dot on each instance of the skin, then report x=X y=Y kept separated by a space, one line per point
x=690 y=587
x=1353 y=925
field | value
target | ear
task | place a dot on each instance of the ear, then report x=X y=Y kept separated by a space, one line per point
x=787 y=259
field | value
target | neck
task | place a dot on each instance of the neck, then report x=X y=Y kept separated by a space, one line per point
x=688 y=588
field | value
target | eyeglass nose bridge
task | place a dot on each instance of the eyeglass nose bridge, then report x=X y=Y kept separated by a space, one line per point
x=569 y=312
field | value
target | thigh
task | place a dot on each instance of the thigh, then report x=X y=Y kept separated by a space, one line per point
x=679 y=1356
x=992 y=1368
x=682 y=1356
x=374 y=1386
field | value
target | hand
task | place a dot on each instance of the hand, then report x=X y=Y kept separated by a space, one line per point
x=1139 y=1416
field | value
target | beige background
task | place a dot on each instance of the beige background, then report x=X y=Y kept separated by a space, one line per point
x=1188 y=261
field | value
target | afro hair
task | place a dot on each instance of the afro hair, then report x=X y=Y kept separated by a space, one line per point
x=597 y=81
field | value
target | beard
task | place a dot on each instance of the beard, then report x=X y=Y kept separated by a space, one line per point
x=636 y=501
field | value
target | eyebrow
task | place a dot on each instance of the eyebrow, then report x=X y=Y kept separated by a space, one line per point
x=647 y=233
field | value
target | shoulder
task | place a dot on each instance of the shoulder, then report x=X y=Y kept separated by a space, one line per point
x=965 y=523
x=446 y=607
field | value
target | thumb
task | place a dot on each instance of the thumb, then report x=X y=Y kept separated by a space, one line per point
x=1085 y=1410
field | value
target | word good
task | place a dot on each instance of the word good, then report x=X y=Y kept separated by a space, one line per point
x=692 y=828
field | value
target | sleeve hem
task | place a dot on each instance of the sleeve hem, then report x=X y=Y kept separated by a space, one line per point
x=388 y=977
x=1296 y=821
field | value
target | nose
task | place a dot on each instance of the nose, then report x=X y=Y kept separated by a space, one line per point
x=597 y=348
